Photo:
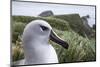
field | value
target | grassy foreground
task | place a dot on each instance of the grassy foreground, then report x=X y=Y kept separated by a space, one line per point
x=68 y=27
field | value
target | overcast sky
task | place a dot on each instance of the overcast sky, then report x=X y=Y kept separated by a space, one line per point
x=34 y=9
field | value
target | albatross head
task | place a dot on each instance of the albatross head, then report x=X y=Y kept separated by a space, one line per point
x=35 y=43
x=40 y=31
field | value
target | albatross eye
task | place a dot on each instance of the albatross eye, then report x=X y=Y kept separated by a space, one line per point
x=44 y=28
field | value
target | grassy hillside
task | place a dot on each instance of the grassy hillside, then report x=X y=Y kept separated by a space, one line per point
x=60 y=21
x=69 y=27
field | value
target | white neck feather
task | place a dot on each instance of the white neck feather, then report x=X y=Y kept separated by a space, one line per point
x=40 y=54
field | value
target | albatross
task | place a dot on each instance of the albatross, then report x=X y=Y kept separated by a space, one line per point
x=35 y=39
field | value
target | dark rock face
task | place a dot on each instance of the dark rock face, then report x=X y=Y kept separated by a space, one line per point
x=87 y=28
x=85 y=22
x=46 y=13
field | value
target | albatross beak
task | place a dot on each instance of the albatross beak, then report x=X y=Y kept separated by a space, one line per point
x=58 y=40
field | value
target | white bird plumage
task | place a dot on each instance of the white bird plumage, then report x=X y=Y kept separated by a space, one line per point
x=35 y=43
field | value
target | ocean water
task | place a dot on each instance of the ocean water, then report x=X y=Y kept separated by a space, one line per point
x=34 y=9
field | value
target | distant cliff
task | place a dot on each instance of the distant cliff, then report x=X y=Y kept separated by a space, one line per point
x=46 y=13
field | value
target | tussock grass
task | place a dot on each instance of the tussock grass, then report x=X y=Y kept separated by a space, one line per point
x=68 y=28
x=17 y=51
x=80 y=48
